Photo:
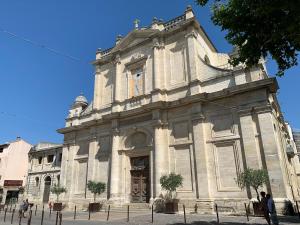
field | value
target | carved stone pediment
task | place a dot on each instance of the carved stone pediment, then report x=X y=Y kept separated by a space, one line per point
x=133 y=38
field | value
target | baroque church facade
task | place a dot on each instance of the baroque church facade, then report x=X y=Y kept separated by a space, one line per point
x=166 y=101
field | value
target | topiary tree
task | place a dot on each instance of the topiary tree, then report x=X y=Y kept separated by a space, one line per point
x=96 y=188
x=170 y=183
x=57 y=190
x=252 y=178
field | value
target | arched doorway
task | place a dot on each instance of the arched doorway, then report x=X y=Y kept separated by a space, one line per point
x=47 y=185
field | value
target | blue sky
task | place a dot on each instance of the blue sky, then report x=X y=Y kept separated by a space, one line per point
x=38 y=86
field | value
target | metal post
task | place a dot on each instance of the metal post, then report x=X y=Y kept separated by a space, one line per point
x=42 y=219
x=75 y=213
x=128 y=213
x=152 y=213
x=60 y=218
x=216 y=206
x=107 y=218
x=12 y=216
x=5 y=214
x=184 y=214
x=35 y=210
x=20 y=219
x=297 y=206
x=89 y=213
x=56 y=220
x=50 y=212
x=246 y=211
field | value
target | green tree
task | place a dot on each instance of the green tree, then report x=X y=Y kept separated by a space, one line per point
x=57 y=190
x=252 y=178
x=96 y=188
x=170 y=183
x=260 y=28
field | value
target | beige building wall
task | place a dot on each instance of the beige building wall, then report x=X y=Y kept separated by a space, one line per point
x=13 y=165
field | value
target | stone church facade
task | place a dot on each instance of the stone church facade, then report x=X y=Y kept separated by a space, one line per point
x=166 y=101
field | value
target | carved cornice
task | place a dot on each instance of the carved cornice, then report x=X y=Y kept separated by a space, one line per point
x=192 y=34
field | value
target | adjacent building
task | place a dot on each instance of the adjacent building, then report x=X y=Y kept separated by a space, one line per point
x=44 y=171
x=165 y=100
x=13 y=169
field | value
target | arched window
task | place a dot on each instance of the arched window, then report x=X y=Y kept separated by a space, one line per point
x=37 y=181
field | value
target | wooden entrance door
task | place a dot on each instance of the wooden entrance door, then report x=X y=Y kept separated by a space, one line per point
x=47 y=186
x=140 y=179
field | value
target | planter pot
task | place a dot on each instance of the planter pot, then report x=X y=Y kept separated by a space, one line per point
x=257 y=209
x=57 y=206
x=94 y=207
x=171 y=207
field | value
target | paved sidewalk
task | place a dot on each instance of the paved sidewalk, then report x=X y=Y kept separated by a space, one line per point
x=139 y=218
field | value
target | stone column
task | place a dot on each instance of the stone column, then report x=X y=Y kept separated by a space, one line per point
x=271 y=154
x=97 y=88
x=117 y=84
x=114 y=163
x=161 y=149
x=192 y=61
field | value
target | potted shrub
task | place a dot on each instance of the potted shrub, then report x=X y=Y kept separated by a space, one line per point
x=97 y=188
x=57 y=190
x=255 y=179
x=170 y=183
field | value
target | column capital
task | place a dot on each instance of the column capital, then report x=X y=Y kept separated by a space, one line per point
x=198 y=118
x=159 y=124
x=117 y=60
x=191 y=34
x=158 y=44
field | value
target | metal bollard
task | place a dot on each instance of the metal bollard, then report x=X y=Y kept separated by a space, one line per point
x=128 y=213
x=29 y=218
x=184 y=214
x=5 y=214
x=246 y=211
x=20 y=219
x=12 y=216
x=107 y=218
x=42 y=219
x=152 y=213
x=60 y=218
x=89 y=213
x=56 y=220
x=75 y=213
x=50 y=212
x=216 y=207
x=35 y=210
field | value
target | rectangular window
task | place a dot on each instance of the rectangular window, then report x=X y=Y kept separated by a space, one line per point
x=40 y=159
x=50 y=158
x=60 y=157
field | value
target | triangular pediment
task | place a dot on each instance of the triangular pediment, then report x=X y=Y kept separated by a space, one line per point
x=133 y=38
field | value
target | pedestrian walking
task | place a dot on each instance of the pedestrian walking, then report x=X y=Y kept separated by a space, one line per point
x=272 y=209
x=25 y=208
x=264 y=207
x=21 y=207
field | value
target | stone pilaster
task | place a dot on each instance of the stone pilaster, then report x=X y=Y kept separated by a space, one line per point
x=97 y=88
x=199 y=145
x=161 y=156
x=192 y=61
x=117 y=84
x=250 y=145
x=158 y=70
x=271 y=154
x=114 y=164
x=92 y=159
